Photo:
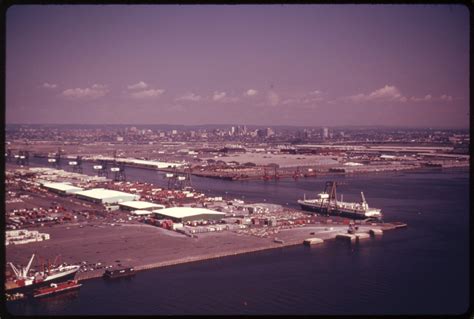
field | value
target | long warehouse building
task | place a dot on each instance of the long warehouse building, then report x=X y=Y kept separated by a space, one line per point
x=106 y=196
x=62 y=188
x=140 y=205
x=184 y=214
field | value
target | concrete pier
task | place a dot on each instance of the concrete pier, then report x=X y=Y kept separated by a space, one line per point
x=375 y=232
x=360 y=236
x=313 y=241
x=346 y=237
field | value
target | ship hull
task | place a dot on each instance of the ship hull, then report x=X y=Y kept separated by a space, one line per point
x=324 y=211
x=120 y=273
x=56 y=291
x=30 y=288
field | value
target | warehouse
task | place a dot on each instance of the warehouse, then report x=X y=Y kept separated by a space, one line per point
x=106 y=196
x=62 y=188
x=139 y=205
x=140 y=212
x=183 y=214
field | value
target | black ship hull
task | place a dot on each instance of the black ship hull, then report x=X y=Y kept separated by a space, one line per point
x=332 y=212
x=119 y=273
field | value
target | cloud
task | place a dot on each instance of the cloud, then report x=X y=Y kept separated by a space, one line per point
x=445 y=97
x=427 y=97
x=151 y=93
x=273 y=98
x=312 y=97
x=140 y=85
x=218 y=95
x=189 y=97
x=47 y=85
x=222 y=97
x=96 y=91
x=251 y=92
x=387 y=93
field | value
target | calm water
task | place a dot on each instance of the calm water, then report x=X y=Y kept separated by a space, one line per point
x=423 y=269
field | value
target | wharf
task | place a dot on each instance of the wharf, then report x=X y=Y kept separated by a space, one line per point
x=290 y=237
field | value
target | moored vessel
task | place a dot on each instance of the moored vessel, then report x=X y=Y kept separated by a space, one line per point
x=26 y=281
x=118 y=272
x=327 y=203
x=57 y=288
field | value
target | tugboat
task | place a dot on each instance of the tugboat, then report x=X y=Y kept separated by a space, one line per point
x=117 y=272
x=326 y=203
x=57 y=288
x=25 y=282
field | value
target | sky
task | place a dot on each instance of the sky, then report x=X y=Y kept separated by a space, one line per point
x=321 y=65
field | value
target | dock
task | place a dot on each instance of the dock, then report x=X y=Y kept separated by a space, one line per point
x=313 y=241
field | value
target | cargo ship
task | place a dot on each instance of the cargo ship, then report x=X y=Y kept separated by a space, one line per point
x=24 y=282
x=118 y=272
x=56 y=288
x=327 y=203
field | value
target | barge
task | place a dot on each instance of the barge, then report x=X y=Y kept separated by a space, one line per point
x=57 y=288
x=118 y=272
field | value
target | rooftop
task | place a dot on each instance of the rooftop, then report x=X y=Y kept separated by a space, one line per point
x=102 y=193
x=181 y=212
x=62 y=186
x=135 y=204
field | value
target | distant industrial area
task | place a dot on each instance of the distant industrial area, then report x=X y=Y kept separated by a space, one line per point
x=239 y=152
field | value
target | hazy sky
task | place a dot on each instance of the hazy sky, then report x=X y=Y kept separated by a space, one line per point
x=255 y=64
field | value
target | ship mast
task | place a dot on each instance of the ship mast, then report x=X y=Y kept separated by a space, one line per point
x=364 y=203
x=15 y=270
x=27 y=269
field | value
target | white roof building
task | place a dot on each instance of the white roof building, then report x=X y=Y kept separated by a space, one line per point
x=180 y=214
x=106 y=196
x=64 y=188
x=140 y=205
x=140 y=212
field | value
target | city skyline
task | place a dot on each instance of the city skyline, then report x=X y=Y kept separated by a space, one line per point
x=294 y=65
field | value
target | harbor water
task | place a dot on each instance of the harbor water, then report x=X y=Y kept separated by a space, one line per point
x=421 y=269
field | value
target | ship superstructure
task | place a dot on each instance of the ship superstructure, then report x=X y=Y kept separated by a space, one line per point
x=327 y=203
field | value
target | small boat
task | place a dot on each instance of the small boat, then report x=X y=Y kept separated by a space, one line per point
x=56 y=288
x=117 y=272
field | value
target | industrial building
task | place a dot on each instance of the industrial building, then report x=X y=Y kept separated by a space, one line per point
x=140 y=205
x=141 y=212
x=184 y=214
x=106 y=196
x=62 y=188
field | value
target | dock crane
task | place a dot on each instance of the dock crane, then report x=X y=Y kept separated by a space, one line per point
x=102 y=169
x=56 y=160
x=118 y=169
x=22 y=273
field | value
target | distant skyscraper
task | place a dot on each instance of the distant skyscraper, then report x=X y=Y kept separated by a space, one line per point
x=269 y=132
x=325 y=132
